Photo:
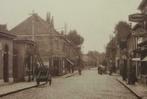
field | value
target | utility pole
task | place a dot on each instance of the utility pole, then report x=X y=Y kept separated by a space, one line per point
x=33 y=27
x=31 y=59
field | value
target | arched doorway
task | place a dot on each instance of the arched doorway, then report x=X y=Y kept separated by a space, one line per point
x=5 y=64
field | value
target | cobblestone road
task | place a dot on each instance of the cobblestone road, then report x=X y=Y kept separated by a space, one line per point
x=89 y=85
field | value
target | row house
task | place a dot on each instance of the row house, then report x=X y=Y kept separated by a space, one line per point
x=143 y=41
x=137 y=47
x=133 y=62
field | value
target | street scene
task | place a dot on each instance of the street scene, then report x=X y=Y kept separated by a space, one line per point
x=89 y=85
x=93 y=49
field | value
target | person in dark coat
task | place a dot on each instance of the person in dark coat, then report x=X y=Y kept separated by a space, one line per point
x=50 y=77
x=124 y=70
x=133 y=78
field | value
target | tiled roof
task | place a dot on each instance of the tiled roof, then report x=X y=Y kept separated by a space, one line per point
x=33 y=23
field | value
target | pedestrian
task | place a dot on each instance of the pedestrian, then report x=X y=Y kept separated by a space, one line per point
x=133 y=75
x=49 y=77
x=80 y=71
x=80 y=66
x=124 y=70
x=110 y=69
x=100 y=70
x=36 y=69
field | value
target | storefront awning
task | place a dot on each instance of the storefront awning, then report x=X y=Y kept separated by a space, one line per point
x=144 y=59
x=136 y=59
x=143 y=43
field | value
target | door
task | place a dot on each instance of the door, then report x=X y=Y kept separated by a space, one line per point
x=6 y=67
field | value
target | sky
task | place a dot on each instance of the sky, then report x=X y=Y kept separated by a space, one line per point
x=93 y=19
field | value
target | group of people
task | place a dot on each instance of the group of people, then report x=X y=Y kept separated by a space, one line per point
x=104 y=69
x=128 y=71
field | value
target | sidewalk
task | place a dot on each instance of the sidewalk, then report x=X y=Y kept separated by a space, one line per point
x=139 y=90
x=10 y=88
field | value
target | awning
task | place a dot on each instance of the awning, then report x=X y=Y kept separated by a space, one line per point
x=145 y=58
x=136 y=59
x=143 y=43
x=70 y=61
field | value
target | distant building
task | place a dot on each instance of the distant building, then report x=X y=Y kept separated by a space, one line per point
x=86 y=61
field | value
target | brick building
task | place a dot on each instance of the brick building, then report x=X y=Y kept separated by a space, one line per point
x=51 y=44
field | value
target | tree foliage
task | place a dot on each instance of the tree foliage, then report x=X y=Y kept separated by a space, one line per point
x=75 y=38
x=111 y=48
x=122 y=30
x=93 y=54
x=93 y=57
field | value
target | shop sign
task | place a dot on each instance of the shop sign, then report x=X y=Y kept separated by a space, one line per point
x=138 y=17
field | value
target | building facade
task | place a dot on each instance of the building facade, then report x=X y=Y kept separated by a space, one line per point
x=51 y=44
x=23 y=60
x=137 y=47
x=6 y=54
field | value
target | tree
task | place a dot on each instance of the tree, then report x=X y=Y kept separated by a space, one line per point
x=111 y=49
x=122 y=30
x=75 y=38
x=93 y=54
x=93 y=57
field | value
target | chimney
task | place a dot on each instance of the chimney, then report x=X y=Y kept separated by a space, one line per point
x=48 y=18
x=52 y=22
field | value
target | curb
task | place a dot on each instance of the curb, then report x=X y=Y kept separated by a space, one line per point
x=138 y=96
x=12 y=92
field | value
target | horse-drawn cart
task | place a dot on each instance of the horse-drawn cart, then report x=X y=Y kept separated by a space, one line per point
x=43 y=75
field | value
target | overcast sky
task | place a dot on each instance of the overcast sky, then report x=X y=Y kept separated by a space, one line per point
x=93 y=19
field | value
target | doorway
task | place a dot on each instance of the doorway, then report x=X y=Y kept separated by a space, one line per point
x=5 y=62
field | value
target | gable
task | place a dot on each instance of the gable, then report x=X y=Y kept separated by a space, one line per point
x=33 y=24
